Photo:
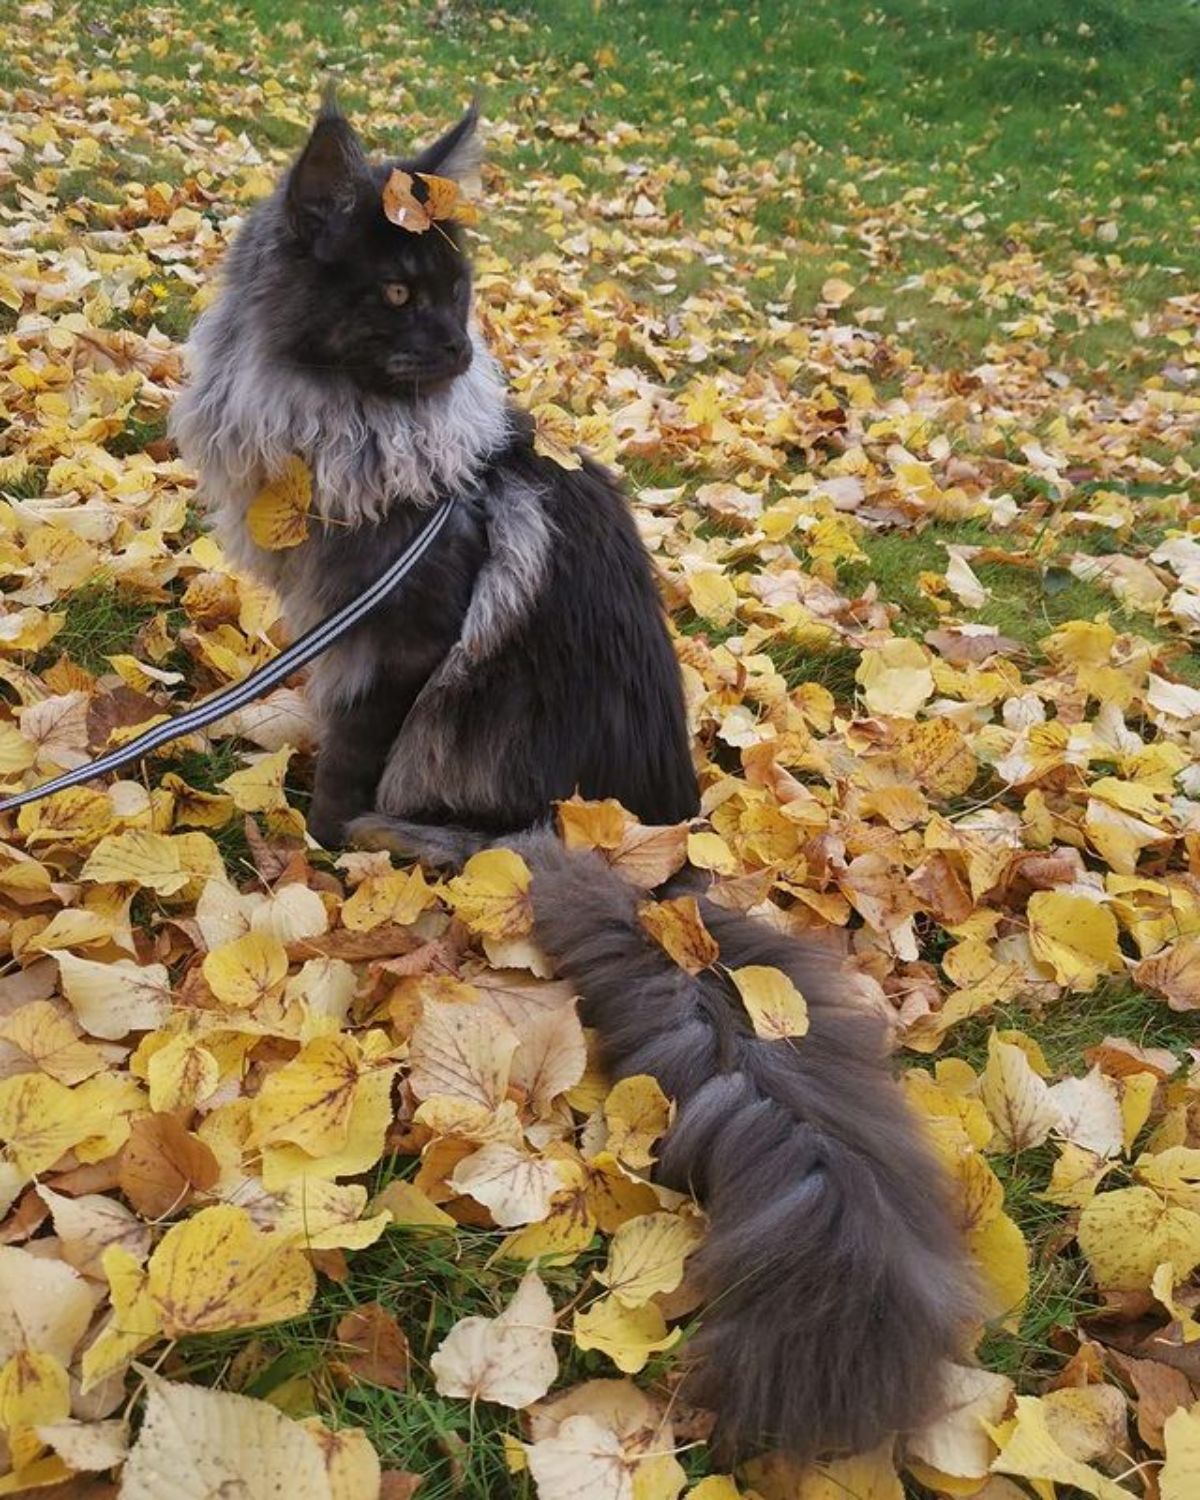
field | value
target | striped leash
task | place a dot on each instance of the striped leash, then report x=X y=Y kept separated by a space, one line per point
x=310 y=645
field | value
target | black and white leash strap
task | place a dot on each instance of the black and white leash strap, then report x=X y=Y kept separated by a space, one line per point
x=309 y=646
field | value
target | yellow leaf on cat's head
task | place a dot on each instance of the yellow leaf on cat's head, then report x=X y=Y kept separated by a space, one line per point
x=440 y=198
x=277 y=517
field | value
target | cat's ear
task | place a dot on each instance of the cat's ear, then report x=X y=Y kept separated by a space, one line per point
x=457 y=154
x=328 y=173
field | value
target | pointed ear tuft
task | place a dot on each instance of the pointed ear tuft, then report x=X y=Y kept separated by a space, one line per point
x=457 y=154
x=328 y=172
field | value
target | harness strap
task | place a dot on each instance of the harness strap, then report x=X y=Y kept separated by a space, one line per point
x=310 y=645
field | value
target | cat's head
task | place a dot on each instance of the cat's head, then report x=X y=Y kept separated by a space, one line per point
x=384 y=307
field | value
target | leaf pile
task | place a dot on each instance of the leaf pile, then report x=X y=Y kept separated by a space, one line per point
x=936 y=620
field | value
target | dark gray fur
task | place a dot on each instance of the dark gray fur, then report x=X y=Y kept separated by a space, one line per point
x=525 y=659
x=834 y=1270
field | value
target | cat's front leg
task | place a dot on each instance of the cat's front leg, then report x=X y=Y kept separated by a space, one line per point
x=354 y=750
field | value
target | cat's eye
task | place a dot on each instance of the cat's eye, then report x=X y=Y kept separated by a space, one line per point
x=395 y=293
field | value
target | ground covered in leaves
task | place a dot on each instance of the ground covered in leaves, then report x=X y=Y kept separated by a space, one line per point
x=889 y=314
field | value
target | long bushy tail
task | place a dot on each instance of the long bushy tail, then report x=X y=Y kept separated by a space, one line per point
x=833 y=1270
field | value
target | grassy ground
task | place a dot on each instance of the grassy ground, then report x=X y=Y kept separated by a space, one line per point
x=1013 y=185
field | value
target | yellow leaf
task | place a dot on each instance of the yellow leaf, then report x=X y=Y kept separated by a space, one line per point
x=555 y=436
x=181 y=1074
x=835 y=291
x=75 y=816
x=1137 y=1095
x=896 y=678
x=34 y=1390
x=318 y=1215
x=259 y=788
x=370 y=1116
x=1076 y=1176
x=1075 y=936
x=463 y=1051
x=277 y=517
x=216 y=1271
x=492 y=894
x=309 y=1100
x=224 y=1444
x=149 y=860
x=400 y=896
x=1087 y=1422
x=867 y=1476
x=111 y=1000
x=636 y=1112
x=351 y=1463
x=709 y=851
x=676 y=926
x=410 y=1208
x=508 y=1359
x=592 y=825
x=713 y=597
x=134 y=1322
x=777 y=1009
x=628 y=1336
x=1030 y=1451
x=513 y=1186
x=1127 y=1234
x=248 y=971
x=1002 y=1258
x=1181 y=1434
x=40 y=1119
x=646 y=1257
x=1016 y=1099
x=49 y=1041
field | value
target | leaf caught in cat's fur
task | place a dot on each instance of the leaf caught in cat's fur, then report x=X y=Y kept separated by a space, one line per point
x=441 y=199
x=277 y=517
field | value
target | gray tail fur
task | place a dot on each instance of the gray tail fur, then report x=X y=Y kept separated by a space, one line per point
x=834 y=1271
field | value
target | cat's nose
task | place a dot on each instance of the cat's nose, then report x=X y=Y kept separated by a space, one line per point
x=457 y=349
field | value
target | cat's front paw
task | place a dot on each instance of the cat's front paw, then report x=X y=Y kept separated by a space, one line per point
x=330 y=832
x=376 y=832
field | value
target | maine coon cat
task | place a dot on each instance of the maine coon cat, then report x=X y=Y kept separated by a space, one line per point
x=526 y=659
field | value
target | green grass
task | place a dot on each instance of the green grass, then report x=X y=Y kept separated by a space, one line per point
x=1064 y=1031
x=101 y=622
